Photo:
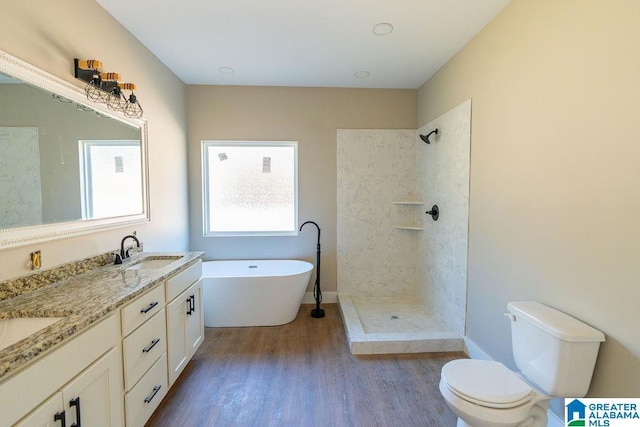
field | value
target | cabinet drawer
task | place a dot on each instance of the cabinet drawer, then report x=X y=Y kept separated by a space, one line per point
x=145 y=397
x=143 y=347
x=141 y=309
x=181 y=281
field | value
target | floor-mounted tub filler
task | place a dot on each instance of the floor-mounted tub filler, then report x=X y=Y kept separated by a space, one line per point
x=253 y=292
x=317 y=312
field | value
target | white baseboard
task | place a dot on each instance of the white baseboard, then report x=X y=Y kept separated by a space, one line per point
x=474 y=351
x=553 y=420
x=327 y=297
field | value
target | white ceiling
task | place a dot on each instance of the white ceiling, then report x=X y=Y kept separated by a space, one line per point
x=304 y=42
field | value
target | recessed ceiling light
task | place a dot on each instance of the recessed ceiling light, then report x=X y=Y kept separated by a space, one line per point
x=361 y=74
x=382 y=29
x=226 y=70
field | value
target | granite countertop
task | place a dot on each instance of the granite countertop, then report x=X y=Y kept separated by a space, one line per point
x=81 y=300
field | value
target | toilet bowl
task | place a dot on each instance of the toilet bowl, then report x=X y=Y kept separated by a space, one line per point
x=487 y=394
x=552 y=350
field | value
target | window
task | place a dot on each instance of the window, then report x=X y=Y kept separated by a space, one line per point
x=110 y=182
x=250 y=188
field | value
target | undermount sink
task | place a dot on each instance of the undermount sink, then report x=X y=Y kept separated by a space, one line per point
x=15 y=329
x=153 y=263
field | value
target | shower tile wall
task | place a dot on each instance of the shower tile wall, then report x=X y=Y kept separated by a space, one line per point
x=20 y=196
x=443 y=179
x=375 y=168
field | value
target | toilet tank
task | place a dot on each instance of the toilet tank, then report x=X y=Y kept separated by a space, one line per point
x=553 y=350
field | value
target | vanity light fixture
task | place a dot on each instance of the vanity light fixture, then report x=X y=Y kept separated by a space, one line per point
x=80 y=107
x=62 y=99
x=132 y=108
x=106 y=89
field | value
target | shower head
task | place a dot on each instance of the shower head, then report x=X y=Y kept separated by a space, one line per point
x=425 y=138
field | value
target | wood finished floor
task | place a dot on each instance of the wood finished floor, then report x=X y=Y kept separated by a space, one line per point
x=302 y=374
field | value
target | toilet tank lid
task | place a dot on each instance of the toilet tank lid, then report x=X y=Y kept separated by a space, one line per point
x=555 y=322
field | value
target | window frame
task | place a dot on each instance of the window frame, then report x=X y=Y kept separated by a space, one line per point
x=206 y=226
x=85 y=172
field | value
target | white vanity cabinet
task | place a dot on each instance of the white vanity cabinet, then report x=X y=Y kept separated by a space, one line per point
x=116 y=372
x=49 y=414
x=81 y=381
x=185 y=319
x=90 y=399
x=161 y=331
x=144 y=353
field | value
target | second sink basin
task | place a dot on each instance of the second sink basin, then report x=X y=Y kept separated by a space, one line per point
x=153 y=263
x=15 y=329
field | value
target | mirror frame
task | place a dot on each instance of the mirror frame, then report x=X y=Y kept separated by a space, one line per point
x=20 y=236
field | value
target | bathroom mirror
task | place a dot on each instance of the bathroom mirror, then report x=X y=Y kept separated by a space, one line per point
x=68 y=166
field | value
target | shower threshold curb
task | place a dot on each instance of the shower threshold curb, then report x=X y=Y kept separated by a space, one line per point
x=361 y=342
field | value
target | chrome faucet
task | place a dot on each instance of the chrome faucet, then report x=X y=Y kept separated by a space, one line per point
x=125 y=254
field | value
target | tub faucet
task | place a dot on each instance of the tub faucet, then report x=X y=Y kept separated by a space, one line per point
x=317 y=293
x=125 y=254
x=318 y=227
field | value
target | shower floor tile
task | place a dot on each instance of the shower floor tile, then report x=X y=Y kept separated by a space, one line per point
x=394 y=315
x=394 y=325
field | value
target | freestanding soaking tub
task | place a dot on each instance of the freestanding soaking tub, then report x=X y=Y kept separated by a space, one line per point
x=253 y=293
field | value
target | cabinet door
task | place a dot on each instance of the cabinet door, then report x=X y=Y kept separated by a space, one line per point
x=45 y=414
x=185 y=329
x=195 y=321
x=94 y=397
x=177 y=347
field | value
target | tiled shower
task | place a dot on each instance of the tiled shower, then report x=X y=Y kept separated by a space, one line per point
x=401 y=275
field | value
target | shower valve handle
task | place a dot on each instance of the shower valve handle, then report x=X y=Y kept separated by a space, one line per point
x=434 y=212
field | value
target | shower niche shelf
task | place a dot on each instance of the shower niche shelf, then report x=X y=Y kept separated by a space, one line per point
x=409 y=202
x=409 y=226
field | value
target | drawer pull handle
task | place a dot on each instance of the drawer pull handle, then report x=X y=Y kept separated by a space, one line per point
x=189 y=308
x=149 y=308
x=148 y=348
x=60 y=416
x=76 y=402
x=155 y=391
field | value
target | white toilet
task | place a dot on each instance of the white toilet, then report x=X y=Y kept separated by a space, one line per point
x=555 y=353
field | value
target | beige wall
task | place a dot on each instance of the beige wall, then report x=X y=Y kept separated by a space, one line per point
x=49 y=35
x=555 y=172
x=310 y=116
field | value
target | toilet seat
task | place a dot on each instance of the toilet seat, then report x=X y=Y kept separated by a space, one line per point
x=486 y=383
